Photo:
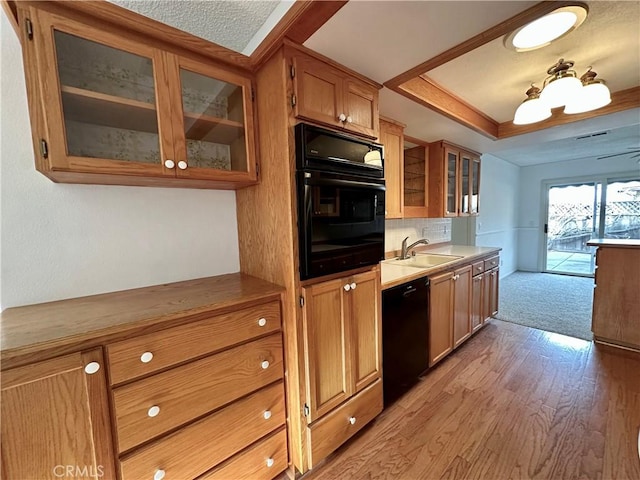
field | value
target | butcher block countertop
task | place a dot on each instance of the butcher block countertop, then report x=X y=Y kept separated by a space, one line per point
x=37 y=332
x=614 y=242
x=393 y=275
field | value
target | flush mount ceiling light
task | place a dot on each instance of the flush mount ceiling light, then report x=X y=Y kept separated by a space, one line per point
x=544 y=30
x=563 y=88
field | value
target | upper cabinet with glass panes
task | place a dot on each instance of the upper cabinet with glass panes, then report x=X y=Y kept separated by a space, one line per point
x=114 y=109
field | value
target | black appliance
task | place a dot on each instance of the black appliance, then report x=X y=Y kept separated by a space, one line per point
x=405 y=336
x=341 y=201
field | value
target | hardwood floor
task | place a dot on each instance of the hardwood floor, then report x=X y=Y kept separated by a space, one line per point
x=512 y=403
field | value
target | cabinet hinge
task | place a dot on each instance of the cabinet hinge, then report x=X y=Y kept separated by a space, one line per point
x=292 y=71
x=294 y=100
x=305 y=410
x=44 y=148
x=257 y=169
x=301 y=300
x=253 y=95
x=29 y=28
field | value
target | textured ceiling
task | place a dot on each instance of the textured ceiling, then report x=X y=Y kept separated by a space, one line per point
x=232 y=24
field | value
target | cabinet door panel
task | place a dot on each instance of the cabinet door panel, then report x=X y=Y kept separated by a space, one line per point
x=361 y=107
x=391 y=136
x=440 y=317
x=476 y=303
x=325 y=332
x=451 y=186
x=462 y=306
x=415 y=182
x=318 y=90
x=100 y=95
x=54 y=414
x=464 y=197
x=494 y=295
x=486 y=296
x=475 y=186
x=365 y=341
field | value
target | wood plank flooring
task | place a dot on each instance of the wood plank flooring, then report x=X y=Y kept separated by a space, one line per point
x=512 y=403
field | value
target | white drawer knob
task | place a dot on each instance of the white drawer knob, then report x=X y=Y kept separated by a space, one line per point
x=153 y=411
x=353 y=286
x=262 y=322
x=342 y=117
x=267 y=414
x=92 y=368
x=182 y=165
x=169 y=163
x=352 y=420
x=270 y=462
x=146 y=357
x=349 y=119
x=265 y=364
x=347 y=287
x=159 y=475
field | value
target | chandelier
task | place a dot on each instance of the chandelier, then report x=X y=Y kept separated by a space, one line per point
x=563 y=88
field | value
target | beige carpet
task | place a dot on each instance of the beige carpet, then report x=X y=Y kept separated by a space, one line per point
x=556 y=303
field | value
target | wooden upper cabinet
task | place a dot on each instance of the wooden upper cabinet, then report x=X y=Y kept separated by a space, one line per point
x=392 y=137
x=55 y=415
x=415 y=198
x=327 y=95
x=116 y=110
x=342 y=339
x=454 y=181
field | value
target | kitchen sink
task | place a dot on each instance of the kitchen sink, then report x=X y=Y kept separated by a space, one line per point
x=425 y=260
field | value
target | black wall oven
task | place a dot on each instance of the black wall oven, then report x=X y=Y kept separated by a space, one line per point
x=341 y=202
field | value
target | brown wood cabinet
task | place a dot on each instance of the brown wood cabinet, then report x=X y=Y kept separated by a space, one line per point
x=331 y=96
x=440 y=317
x=55 y=419
x=461 y=305
x=454 y=180
x=342 y=339
x=109 y=107
x=392 y=137
x=415 y=195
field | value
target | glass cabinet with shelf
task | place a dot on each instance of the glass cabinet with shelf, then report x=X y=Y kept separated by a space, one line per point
x=415 y=181
x=116 y=110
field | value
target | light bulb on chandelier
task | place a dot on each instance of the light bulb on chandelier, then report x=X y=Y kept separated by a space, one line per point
x=563 y=88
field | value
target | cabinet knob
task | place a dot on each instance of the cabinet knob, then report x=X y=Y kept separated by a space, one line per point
x=347 y=287
x=182 y=165
x=265 y=364
x=353 y=286
x=267 y=414
x=159 y=475
x=352 y=420
x=169 y=163
x=146 y=357
x=270 y=462
x=349 y=119
x=262 y=322
x=153 y=411
x=342 y=117
x=92 y=368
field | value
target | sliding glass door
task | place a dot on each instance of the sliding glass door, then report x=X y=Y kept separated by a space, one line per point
x=578 y=212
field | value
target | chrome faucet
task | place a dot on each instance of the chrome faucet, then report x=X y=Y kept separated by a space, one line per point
x=404 y=253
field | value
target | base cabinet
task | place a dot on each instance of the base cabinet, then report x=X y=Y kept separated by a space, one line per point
x=55 y=419
x=342 y=337
x=440 y=317
x=461 y=305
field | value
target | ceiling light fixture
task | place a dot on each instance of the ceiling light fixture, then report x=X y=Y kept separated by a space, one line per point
x=544 y=30
x=563 y=88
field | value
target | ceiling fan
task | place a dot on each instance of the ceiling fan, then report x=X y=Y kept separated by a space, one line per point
x=634 y=150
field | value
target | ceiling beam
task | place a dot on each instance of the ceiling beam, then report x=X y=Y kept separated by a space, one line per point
x=301 y=21
x=622 y=100
x=426 y=92
x=482 y=38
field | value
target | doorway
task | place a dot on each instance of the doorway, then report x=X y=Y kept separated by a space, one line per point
x=579 y=211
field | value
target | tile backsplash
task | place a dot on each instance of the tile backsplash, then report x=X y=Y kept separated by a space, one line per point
x=436 y=230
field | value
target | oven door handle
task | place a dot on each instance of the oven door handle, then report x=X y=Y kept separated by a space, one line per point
x=314 y=182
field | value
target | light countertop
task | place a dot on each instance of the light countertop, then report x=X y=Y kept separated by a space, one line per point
x=393 y=275
x=614 y=242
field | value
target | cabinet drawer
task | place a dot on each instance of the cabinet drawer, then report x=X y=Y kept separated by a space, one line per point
x=178 y=344
x=261 y=461
x=491 y=262
x=195 y=449
x=187 y=392
x=335 y=428
x=477 y=268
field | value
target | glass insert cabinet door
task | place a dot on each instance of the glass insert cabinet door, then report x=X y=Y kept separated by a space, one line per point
x=104 y=91
x=215 y=122
x=451 y=185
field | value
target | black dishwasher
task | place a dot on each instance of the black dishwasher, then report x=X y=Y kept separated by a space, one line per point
x=405 y=342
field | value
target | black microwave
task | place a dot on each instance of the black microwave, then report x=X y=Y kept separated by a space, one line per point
x=341 y=202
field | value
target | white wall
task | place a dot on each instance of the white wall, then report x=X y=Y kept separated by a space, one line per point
x=496 y=225
x=60 y=241
x=531 y=215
